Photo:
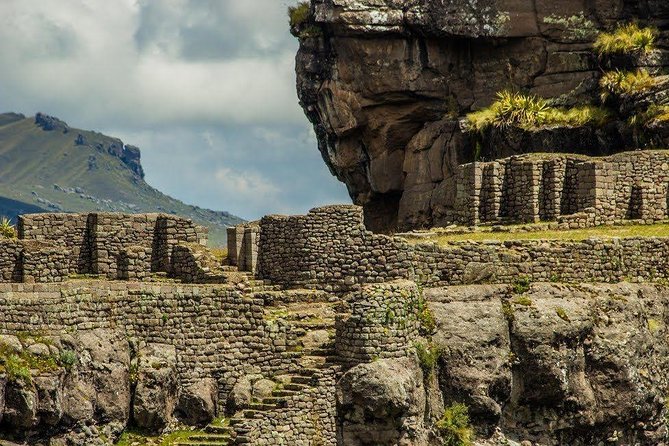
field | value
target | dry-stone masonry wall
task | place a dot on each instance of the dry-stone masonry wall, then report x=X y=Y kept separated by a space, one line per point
x=536 y=187
x=217 y=331
x=113 y=245
x=330 y=249
x=381 y=323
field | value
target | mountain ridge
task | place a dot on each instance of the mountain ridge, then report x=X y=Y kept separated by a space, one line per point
x=46 y=165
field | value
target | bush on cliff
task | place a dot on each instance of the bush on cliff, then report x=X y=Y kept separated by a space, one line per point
x=298 y=14
x=454 y=427
x=514 y=109
x=626 y=82
x=626 y=39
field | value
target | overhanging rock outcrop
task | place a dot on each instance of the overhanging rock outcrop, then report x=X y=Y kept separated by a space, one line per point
x=386 y=84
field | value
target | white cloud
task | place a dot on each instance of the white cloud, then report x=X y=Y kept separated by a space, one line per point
x=206 y=88
x=83 y=56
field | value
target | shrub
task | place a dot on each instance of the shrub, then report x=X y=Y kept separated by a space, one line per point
x=512 y=109
x=454 y=427
x=298 y=14
x=68 y=359
x=626 y=39
x=521 y=285
x=7 y=229
x=428 y=355
x=625 y=82
x=16 y=368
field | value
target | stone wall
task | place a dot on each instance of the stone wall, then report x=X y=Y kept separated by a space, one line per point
x=217 y=331
x=545 y=187
x=243 y=246
x=108 y=244
x=329 y=248
x=32 y=261
x=381 y=323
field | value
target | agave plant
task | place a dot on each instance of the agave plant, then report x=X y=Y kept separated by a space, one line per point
x=7 y=229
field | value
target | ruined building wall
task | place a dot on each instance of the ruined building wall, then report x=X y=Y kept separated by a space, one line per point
x=217 y=331
x=108 y=244
x=330 y=249
x=545 y=187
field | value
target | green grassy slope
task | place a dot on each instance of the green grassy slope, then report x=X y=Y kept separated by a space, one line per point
x=49 y=170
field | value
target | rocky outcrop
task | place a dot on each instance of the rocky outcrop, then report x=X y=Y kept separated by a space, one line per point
x=386 y=84
x=577 y=365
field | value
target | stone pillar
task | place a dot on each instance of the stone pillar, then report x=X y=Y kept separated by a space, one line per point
x=235 y=238
x=468 y=193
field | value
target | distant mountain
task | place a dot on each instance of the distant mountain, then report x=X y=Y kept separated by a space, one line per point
x=48 y=166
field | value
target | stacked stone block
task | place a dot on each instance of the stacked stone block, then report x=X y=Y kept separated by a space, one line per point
x=382 y=323
x=549 y=187
x=217 y=331
x=112 y=245
x=134 y=263
x=193 y=263
x=43 y=263
x=243 y=241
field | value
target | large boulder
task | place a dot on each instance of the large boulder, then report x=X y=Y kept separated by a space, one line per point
x=197 y=402
x=156 y=391
x=382 y=403
x=386 y=83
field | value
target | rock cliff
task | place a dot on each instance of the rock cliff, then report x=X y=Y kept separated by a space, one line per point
x=387 y=84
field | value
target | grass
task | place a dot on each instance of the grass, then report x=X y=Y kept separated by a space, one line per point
x=136 y=438
x=626 y=39
x=298 y=14
x=626 y=82
x=455 y=427
x=514 y=109
x=655 y=113
x=428 y=355
x=635 y=230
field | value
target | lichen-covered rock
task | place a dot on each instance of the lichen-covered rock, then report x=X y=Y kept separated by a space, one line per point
x=156 y=391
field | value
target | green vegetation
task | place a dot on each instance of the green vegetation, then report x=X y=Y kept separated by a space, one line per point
x=654 y=325
x=522 y=285
x=523 y=300
x=428 y=355
x=7 y=229
x=136 y=438
x=562 y=314
x=625 y=82
x=632 y=230
x=18 y=365
x=626 y=39
x=454 y=427
x=513 y=109
x=427 y=324
x=655 y=113
x=298 y=14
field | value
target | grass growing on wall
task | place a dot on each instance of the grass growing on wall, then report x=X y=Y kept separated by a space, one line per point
x=626 y=39
x=514 y=109
x=7 y=229
x=637 y=230
x=626 y=82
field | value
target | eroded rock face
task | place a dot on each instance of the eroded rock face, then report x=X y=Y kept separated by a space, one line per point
x=558 y=365
x=388 y=82
x=156 y=392
x=383 y=403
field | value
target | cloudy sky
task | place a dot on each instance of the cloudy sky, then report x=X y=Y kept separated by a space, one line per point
x=206 y=88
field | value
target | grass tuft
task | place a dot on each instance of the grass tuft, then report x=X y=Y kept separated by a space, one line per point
x=513 y=109
x=626 y=82
x=455 y=427
x=428 y=355
x=7 y=229
x=298 y=14
x=626 y=39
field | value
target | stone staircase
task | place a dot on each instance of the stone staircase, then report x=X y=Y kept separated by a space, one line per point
x=310 y=356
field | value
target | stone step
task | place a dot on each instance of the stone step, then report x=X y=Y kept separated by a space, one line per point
x=216 y=429
x=209 y=437
x=261 y=406
x=296 y=387
x=314 y=325
x=284 y=393
x=203 y=443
